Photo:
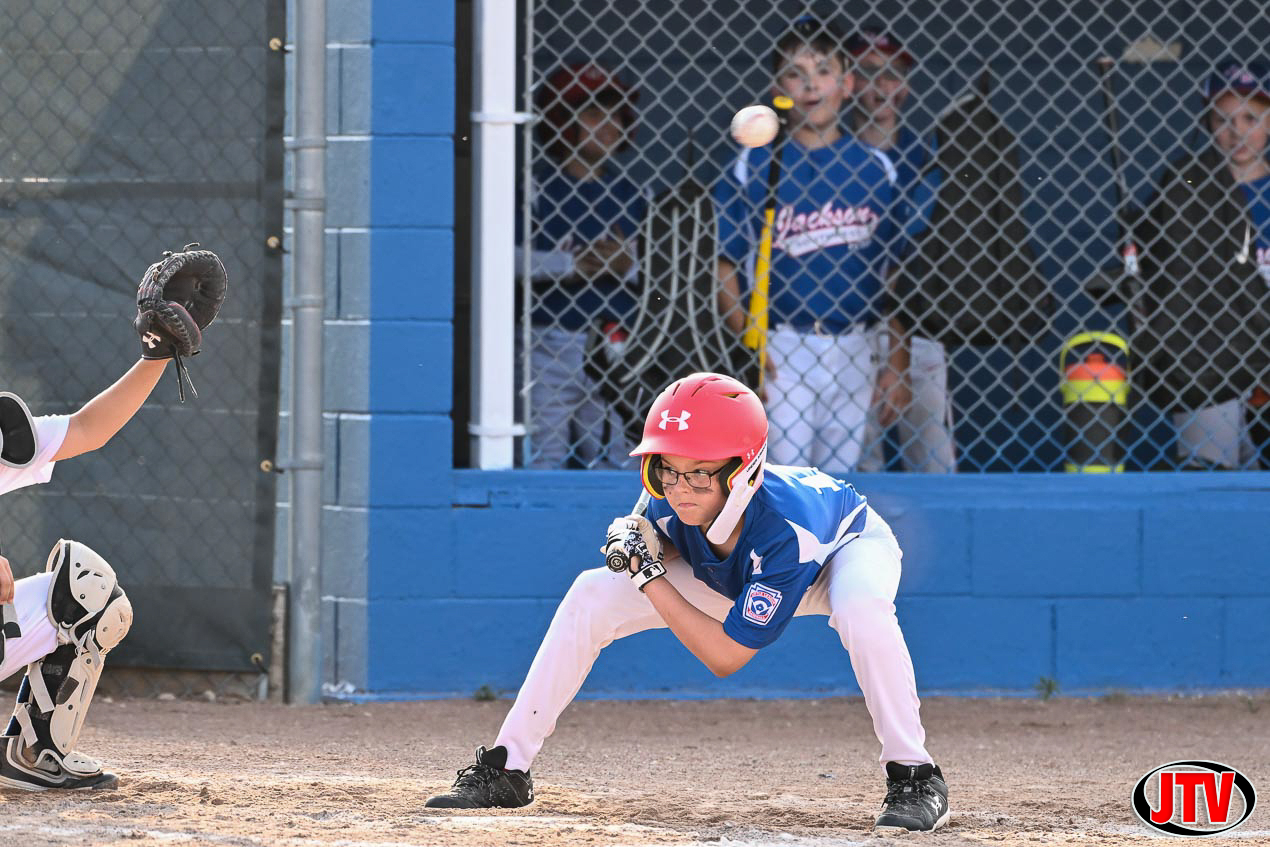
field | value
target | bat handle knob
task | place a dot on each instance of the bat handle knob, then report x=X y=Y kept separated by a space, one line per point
x=616 y=559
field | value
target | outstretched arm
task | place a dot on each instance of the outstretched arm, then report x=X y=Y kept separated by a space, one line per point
x=103 y=416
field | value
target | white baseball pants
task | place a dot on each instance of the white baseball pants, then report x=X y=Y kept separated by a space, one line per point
x=820 y=400
x=856 y=590
x=925 y=428
x=570 y=418
x=1215 y=435
x=39 y=636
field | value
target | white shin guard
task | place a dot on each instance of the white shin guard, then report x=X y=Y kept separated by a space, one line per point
x=92 y=615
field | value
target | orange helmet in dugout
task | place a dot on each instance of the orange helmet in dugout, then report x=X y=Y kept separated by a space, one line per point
x=708 y=417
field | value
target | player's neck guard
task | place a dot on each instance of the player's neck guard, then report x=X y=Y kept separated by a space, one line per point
x=743 y=484
x=17 y=432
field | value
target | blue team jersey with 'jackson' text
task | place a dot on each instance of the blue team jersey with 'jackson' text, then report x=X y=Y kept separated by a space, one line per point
x=798 y=518
x=1257 y=193
x=833 y=232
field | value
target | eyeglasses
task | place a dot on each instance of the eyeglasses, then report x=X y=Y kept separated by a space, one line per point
x=700 y=480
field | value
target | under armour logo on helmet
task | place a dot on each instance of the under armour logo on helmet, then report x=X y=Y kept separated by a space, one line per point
x=667 y=418
x=151 y=340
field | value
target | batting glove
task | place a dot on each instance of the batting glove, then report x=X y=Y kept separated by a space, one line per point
x=642 y=548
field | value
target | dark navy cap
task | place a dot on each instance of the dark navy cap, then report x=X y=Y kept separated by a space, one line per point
x=1246 y=78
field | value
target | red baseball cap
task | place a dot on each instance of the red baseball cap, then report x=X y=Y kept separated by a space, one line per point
x=875 y=38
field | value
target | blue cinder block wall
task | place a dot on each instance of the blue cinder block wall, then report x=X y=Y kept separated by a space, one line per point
x=410 y=546
x=1142 y=582
x=438 y=581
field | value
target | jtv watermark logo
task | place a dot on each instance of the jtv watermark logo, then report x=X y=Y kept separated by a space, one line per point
x=1194 y=798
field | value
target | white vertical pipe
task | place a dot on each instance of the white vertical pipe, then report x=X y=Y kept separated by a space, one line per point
x=494 y=120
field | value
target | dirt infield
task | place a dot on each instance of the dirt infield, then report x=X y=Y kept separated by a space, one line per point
x=795 y=773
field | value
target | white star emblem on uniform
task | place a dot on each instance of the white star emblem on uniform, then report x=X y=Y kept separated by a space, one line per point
x=812 y=549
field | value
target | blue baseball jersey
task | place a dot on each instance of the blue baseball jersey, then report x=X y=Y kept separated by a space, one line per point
x=798 y=518
x=1257 y=193
x=833 y=232
x=568 y=215
x=915 y=189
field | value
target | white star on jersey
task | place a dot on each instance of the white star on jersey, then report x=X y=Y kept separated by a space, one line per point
x=812 y=549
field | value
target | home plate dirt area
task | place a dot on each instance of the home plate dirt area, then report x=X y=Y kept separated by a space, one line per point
x=795 y=773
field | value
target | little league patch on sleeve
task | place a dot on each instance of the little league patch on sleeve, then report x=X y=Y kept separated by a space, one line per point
x=760 y=603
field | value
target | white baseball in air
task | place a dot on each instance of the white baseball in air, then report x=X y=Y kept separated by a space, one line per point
x=755 y=126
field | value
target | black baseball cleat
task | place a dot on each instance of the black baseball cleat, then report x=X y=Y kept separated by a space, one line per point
x=916 y=798
x=487 y=785
x=49 y=771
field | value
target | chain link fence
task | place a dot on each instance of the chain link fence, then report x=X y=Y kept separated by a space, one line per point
x=1022 y=236
x=133 y=127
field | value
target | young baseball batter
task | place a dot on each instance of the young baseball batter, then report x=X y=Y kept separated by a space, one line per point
x=60 y=624
x=731 y=549
x=832 y=246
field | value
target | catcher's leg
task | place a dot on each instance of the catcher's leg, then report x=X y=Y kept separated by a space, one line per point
x=28 y=635
x=92 y=615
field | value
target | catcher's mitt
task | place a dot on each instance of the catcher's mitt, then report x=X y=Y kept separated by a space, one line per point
x=178 y=297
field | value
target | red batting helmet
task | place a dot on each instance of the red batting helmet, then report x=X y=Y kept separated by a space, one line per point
x=708 y=416
x=569 y=89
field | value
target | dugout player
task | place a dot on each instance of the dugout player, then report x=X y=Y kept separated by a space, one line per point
x=1206 y=271
x=831 y=247
x=60 y=624
x=881 y=67
x=731 y=549
x=586 y=213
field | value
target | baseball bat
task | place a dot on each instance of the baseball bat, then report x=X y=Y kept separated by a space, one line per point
x=756 y=332
x=1145 y=51
x=1128 y=247
x=615 y=553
